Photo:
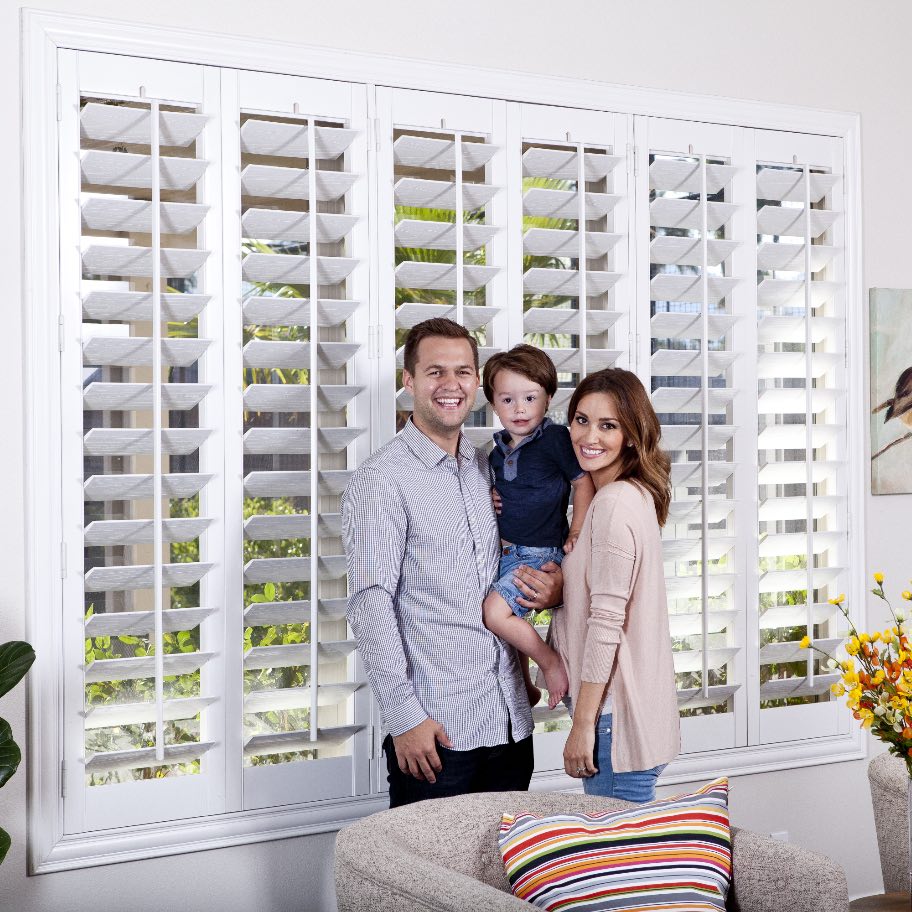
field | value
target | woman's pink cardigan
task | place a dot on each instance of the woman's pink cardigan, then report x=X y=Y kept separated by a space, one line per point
x=614 y=625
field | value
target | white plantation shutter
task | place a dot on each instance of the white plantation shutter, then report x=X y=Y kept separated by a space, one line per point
x=443 y=253
x=141 y=401
x=692 y=248
x=576 y=285
x=241 y=257
x=801 y=447
x=303 y=204
x=576 y=288
x=747 y=374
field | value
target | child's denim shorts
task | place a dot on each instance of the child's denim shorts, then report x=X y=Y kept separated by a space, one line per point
x=511 y=557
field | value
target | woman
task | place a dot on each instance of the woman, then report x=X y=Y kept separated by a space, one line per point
x=613 y=630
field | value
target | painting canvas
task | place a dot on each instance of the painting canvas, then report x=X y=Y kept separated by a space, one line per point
x=891 y=390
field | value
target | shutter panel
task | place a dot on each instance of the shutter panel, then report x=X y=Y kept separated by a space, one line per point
x=148 y=438
x=304 y=266
x=576 y=290
x=447 y=200
x=691 y=247
x=801 y=443
x=574 y=222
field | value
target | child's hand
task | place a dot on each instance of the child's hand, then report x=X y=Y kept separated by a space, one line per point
x=498 y=503
x=570 y=542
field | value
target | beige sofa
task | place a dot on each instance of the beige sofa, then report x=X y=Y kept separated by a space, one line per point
x=442 y=855
x=889 y=782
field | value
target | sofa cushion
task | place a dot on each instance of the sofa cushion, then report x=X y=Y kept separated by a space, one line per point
x=672 y=853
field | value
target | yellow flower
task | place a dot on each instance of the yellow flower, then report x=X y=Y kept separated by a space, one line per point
x=805 y=642
x=907 y=595
x=878 y=578
x=852 y=647
x=838 y=690
x=863 y=638
x=837 y=601
x=847 y=665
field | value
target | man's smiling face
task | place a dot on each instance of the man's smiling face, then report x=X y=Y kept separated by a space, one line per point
x=444 y=385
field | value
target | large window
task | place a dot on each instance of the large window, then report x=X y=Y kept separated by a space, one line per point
x=241 y=255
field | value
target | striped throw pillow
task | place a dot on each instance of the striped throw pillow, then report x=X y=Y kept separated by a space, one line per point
x=673 y=854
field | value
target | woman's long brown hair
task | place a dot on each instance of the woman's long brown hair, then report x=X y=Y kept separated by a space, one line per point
x=644 y=462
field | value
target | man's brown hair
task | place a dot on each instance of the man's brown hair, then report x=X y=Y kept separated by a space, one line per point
x=527 y=360
x=436 y=326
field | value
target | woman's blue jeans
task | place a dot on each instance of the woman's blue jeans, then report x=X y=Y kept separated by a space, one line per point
x=637 y=785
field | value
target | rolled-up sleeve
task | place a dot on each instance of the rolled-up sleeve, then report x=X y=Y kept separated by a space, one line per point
x=374 y=528
x=611 y=583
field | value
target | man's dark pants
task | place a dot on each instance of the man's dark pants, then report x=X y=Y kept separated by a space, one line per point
x=503 y=768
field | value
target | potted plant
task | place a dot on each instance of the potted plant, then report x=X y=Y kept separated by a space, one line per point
x=16 y=658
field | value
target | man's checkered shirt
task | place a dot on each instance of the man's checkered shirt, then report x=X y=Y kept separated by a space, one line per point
x=422 y=545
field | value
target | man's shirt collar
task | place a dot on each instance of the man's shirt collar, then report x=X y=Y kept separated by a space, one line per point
x=427 y=451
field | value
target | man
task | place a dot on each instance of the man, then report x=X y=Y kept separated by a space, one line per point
x=422 y=545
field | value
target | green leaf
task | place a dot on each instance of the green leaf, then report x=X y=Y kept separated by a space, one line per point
x=5 y=843
x=10 y=755
x=16 y=659
x=269 y=590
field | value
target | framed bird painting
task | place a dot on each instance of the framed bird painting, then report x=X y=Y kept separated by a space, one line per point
x=891 y=390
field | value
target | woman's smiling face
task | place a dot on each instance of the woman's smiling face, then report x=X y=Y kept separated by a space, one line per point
x=597 y=437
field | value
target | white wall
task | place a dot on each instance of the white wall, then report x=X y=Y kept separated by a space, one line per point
x=835 y=54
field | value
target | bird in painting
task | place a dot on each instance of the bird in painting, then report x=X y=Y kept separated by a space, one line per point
x=900 y=406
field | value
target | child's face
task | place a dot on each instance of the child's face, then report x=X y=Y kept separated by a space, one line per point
x=519 y=403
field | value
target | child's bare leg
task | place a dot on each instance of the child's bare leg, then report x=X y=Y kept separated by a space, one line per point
x=500 y=619
x=533 y=692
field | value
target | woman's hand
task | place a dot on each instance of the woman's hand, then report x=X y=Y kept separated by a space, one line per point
x=497 y=501
x=579 y=752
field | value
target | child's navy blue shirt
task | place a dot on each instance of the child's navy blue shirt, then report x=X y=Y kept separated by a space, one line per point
x=534 y=485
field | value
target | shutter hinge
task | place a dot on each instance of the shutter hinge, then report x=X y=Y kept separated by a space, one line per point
x=632 y=159
x=373 y=134
x=59 y=103
x=63 y=560
x=62 y=779
x=372 y=729
x=373 y=341
x=61 y=337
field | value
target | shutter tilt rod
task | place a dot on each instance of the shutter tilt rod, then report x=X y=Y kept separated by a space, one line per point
x=704 y=433
x=808 y=424
x=460 y=216
x=582 y=265
x=157 y=582
x=312 y=378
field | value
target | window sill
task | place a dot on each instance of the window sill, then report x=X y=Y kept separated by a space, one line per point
x=201 y=834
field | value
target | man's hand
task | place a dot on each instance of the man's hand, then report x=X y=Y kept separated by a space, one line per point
x=416 y=750
x=542 y=588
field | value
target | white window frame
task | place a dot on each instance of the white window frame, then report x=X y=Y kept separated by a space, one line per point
x=43 y=34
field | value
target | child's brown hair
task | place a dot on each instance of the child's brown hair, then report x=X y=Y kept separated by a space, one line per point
x=523 y=359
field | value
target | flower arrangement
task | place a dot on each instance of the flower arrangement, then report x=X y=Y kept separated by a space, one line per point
x=877 y=677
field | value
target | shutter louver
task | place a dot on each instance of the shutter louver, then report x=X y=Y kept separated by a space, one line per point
x=693 y=279
x=143 y=208
x=801 y=441
x=303 y=231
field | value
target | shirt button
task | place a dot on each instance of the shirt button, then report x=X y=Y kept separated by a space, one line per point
x=509 y=462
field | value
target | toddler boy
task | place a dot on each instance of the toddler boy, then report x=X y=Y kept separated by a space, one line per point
x=534 y=468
